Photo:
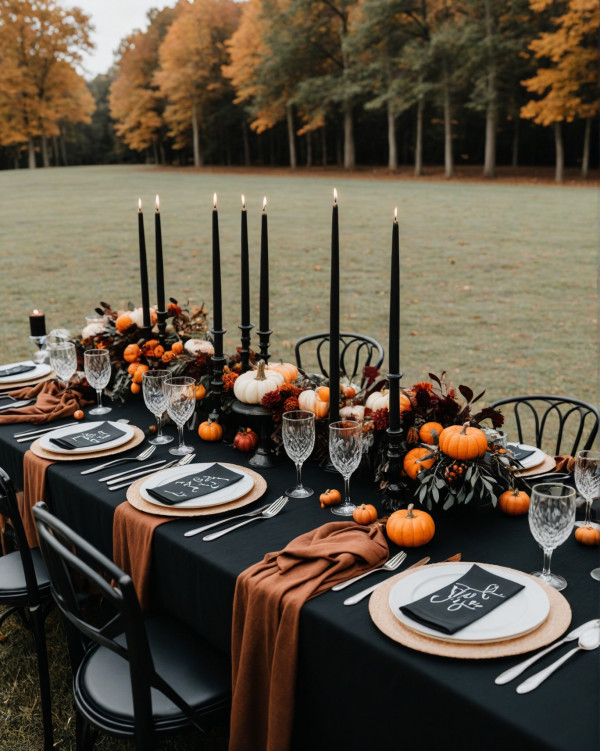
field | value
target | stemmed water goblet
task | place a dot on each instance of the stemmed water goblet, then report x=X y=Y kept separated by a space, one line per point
x=345 y=452
x=551 y=519
x=63 y=359
x=298 y=430
x=181 y=401
x=155 y=398
x=587 y=481
x=96 y=363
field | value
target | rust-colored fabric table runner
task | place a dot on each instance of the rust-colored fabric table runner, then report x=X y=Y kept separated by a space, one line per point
x=132 y=546
x=266 y=611
x=34 y=490
x=51 y=403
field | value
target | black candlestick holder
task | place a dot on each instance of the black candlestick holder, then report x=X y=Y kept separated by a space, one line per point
x=147 y=332
x=264 y=337
x=262 y=418
x=392 y=494
x=216 y=383
x=162 y=324
x=41 y=355
x=245 y=328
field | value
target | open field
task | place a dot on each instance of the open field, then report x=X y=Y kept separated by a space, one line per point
x=498 y=279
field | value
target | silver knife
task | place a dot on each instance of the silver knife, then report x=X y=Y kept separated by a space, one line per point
x=16 y=405
x=516 y=670
x=126 y=471
x=358 y=597
x=33 y=434
x=176 y=463
x=137 y=473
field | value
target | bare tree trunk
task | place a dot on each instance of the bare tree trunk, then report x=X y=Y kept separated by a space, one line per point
x=55 y=151
x=31 y=153
x=289 y=113
x=309 y=148
x=324 y=146
x=246 y=143
x=196 y=136
x=161 y=151
x=155 y=152
x=349 y=153
x=419 y=137
x=448 y=157
x=585 y=159
x=491 y=115
x=45 y=156
x=560 y=153
x=63 y=148
x=392 y=145
x=515 y=143
x=16 y=157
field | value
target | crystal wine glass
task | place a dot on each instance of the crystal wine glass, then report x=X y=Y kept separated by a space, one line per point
x=345 y=451
x=181 y=401
x=63 y=359
x=551 y=519
x=298 y=430
x=96 y=363
x=587 y=480
x=155 y=398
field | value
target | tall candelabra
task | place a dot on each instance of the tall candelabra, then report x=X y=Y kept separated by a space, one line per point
x=395 y=448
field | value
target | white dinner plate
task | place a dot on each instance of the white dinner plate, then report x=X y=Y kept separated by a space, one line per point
x=39 y=371
x=520 y=614
x=230 y=493
x=45 y=443
x=532 y=460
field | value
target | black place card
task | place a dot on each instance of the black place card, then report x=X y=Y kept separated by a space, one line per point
x=462 y=602
x=520 y=453
x=209 y=480
x=103 y=433
x=16 y=370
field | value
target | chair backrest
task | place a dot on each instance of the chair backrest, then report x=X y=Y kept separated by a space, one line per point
x=356 y=351
x=557 y=424
x=72 y=563
x=9 y=509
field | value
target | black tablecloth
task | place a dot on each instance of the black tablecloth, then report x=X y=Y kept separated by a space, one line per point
x=357 y=689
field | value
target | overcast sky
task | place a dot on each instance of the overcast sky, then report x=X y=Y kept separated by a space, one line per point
x=112 y=20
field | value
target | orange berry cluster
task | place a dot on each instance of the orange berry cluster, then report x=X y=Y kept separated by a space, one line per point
x=454 y=471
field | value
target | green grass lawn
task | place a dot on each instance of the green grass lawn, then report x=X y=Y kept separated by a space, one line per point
x=498 y=281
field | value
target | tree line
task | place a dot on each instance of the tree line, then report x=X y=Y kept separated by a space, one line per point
x=308 y=82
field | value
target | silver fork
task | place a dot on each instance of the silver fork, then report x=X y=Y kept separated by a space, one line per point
x=197 y=531
x=268 y=513
x=175 y=463
x=145 y=454
x=390 y=565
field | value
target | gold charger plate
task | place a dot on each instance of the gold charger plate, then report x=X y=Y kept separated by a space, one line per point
x=552 y=628
x=546 y=465
x=138 y=437
x=15 y=385
x=258 y=489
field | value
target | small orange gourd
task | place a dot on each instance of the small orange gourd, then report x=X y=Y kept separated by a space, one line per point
x=78 y=414
x=587 y=535
x=410 y=527
x=330 y=498
x=177 y=348
x=463 y=442
x=200 y=392
x=414 y=461
x=132 y=352
x=514 y=502
x=210 y=431
x=364 y=514
x=430 y=432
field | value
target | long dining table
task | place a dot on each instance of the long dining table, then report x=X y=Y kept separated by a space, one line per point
x=355 y=688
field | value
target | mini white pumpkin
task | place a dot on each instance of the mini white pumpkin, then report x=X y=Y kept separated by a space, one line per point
x=251 y=386
x=353 y=412
x=378 y=400
x=195 y=347
x=92 y=329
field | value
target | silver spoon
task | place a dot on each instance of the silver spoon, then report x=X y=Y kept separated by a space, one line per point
x=588 y=640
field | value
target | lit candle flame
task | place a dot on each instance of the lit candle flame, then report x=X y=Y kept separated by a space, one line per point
x=334 y=196
x=264 y=203
x=243 y=202
x=395 y=213
x=157 y=202
x=214 y=201
x=36 y=312
x=139 y=204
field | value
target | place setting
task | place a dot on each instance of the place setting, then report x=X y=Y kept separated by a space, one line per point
x=93 y=439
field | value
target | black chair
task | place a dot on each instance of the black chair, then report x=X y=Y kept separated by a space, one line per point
x=356 y=351
x=568 y=422
x=133 y=677
x=25 y=590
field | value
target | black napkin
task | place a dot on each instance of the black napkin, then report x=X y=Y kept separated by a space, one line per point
x=15 y=370
x=462 y=602
x=520 y=453
x=103 y=433
x=211 y=479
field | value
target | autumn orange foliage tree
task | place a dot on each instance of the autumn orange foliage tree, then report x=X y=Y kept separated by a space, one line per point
x=40 y=46
x=568 y=86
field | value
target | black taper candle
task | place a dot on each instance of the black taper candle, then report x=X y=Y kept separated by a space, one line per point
x=216 y=270
x=334 y=317
x=394 y=332
x=245 y=325
x=160 y=276
x=146 y=325
x=264 y=332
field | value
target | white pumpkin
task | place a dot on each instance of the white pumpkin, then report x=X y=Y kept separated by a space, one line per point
x=195 y=347
x=92 y=329
x=378 y=400
x=310 y=401
x=251 y=386
x=353 y=412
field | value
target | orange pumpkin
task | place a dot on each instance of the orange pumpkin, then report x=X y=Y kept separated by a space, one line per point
x=78 y=414
x=200 y=392
x=405 y=405
x=167 y=356
x=309 y=400
x=140 y=370
x=323 y=393
x=410 y=528
x=463 y=442
x=135 y=388
x=177 y=348
x=348 y=391
x=287 y=370
x=430 y=432
x=587 y=535
x=148 y=347
x=132 y=352
x=123 y=322
x=414 y=462
x=330 y=498
x=159 y=351
x=364 y=514
x=210 y=431
x=132 y=368
x=514 y=502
